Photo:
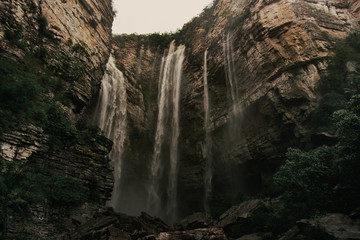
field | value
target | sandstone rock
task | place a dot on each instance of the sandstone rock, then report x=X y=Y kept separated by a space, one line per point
x=21 y=144
x=69 y=23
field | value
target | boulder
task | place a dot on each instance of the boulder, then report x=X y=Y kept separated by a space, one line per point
x=118 y=226
x=338 y=225
x=237 y=220
x=332 y=226
x=194 y=221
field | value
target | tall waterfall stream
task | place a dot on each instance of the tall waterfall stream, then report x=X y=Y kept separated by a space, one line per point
x=208 y=142
x=111 y=118
x=168 y=102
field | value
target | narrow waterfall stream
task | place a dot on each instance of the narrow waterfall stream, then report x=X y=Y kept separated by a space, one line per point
x=110 y=116
x=233 y=89
x=168 y=102
x=208 y=142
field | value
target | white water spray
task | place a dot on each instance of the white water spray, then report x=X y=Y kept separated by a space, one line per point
x=110 y=116
x=168 y=102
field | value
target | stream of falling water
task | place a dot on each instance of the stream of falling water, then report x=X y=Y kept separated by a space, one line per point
x=110 y=116
x=208 y=143
x=168 y=102
x=233 y=85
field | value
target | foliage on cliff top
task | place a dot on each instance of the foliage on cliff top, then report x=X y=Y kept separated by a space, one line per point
x=154 y=40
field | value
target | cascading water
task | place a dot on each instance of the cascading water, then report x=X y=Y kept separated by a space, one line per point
x=168 y=102
x=234 y=97
x=208 y=143
x=111 y=118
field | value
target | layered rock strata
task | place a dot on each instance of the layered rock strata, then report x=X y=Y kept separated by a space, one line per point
x=278 y=51
x=63 y=34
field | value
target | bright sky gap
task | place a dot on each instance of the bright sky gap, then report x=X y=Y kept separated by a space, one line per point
x=150 y=16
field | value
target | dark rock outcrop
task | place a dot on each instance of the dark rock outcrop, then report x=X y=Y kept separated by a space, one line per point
x=71 y=40
x=194 y=221
x=237 y=220
x=197 y=234
x=117 y=226
x=30 y=145
x=331 y=226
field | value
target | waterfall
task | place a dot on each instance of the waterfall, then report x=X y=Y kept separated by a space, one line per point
x=234 y=97
x=208 y=143
x=110 y=116
x=168 y=102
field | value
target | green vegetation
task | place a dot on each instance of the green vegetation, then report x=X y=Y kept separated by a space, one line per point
x=22 y=187
x=33 y=6
x=43 y=28
x=24 y=98
x=29 y=90
x=14 y=37
x=338 y=79
x=154 y=40
x=321 y=118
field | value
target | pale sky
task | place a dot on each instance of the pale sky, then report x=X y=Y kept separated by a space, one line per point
x=149 y=16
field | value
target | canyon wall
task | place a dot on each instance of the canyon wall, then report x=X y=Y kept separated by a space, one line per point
x=278 y=54
x=70 y=39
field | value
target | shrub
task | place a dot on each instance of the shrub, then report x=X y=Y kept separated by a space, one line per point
x=306 y=179
x=43 y=28
x=13 y=36
x=66 y=191
x=22 y=186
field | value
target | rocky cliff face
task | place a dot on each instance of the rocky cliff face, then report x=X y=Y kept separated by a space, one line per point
x=71 y=36
x=278 y=51
x=30 y=145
